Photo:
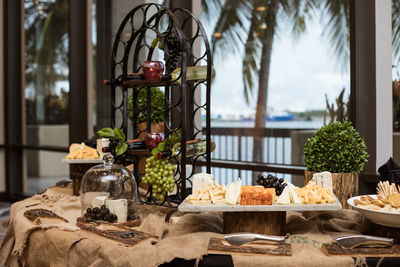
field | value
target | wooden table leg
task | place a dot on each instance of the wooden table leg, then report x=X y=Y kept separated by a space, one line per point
x=268 y=223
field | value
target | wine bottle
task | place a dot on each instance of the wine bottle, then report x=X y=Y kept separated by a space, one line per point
x=136 y=144
x=193 y=148
x=193 y=74
x=120 y=81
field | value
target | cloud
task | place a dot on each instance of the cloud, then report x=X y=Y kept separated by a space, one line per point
x=301 y=73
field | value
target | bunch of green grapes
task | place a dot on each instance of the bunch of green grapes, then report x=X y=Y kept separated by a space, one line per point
x=160 y=174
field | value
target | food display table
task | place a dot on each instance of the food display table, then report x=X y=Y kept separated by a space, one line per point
x=261 y=219
x=178 y=238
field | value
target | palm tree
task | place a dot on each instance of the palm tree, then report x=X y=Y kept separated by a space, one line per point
x=258 y=20
x=237 y=17
x=46 y=49
x=396 y=30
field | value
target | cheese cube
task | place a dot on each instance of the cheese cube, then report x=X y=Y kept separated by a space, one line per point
x=200 y=180
x=323 y=179
x=99 y=201
x=119 y=207
x=88 y=197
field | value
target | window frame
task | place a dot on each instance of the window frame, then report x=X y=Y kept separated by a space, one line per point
x=80 y=122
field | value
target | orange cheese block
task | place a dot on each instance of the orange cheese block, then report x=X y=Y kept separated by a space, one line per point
x=257 y=195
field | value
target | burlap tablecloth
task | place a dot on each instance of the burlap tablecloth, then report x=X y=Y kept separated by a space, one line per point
x=64 y=244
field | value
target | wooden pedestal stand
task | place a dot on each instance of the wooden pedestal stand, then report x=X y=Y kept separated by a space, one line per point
x=345 y=185
x=78 y=168
x=268 y=223
x=261 y=219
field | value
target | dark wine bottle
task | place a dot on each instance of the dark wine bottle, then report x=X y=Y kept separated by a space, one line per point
x=193 y=148
x=193 y=74
x=136 y=144
x=120 y=81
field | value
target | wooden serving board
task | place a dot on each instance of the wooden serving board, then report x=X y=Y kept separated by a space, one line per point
x=336 y=250
x=221 y=246
x=115 y=232
x=185 y=206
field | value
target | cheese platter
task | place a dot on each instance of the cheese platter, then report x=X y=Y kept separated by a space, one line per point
x=223 y=207
x=258 y=209
x=209 y=196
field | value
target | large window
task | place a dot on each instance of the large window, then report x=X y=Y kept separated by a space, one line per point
x=46 y=91
x=295 y=60
x=2 y=152
x=281 y=65
x=396 y=78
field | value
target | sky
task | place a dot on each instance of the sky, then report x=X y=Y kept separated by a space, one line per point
x=302 y=72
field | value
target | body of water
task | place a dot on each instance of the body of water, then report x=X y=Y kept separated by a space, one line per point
x=269 y=124
x=277 y=150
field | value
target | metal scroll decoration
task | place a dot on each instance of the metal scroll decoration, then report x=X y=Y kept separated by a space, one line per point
x=183 y=43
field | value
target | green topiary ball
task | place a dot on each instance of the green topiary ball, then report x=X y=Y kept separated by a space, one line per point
x=157 y=105
x=337 y=148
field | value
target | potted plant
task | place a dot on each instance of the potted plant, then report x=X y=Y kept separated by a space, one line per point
x=157 y=110
x=339 y=149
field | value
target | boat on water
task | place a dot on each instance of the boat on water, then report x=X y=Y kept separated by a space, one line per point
x=280 y=117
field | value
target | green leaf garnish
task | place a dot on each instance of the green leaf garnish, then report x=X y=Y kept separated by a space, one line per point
x=121 y=148
x=106 y=133
x=119 y=134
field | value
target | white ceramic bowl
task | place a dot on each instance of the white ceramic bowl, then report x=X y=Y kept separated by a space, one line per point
x=391 y=219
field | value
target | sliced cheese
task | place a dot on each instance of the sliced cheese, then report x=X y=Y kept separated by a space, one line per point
x=323 y=179
x=198 y=202
x=289 y=184
x=119 y=207
x=284 y=198
x=212 y=196
x=232 y=195
x=200 y=180
x=293 y=197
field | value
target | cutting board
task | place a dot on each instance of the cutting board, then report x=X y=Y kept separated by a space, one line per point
x=221 y=246
x=118 y=233
x=336 y=250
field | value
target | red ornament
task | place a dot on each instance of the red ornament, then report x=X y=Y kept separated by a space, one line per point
x=152 y=140
x=153 y=70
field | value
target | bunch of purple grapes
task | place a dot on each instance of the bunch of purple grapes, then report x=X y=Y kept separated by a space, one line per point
x=102 y=213
x=271 y=181
x=92 y=142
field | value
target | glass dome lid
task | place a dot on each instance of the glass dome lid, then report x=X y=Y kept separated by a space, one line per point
x=107 y=182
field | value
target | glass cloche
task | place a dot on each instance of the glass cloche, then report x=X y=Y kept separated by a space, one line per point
x=109 y=185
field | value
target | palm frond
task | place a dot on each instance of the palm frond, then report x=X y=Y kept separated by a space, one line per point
x=231 y=27
x=396 y=30
x=251 y=56
x=299 y=13
x=336 y=21
x=211 y=8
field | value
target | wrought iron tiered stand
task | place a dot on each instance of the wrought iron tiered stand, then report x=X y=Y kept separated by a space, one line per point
x=183 y=44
